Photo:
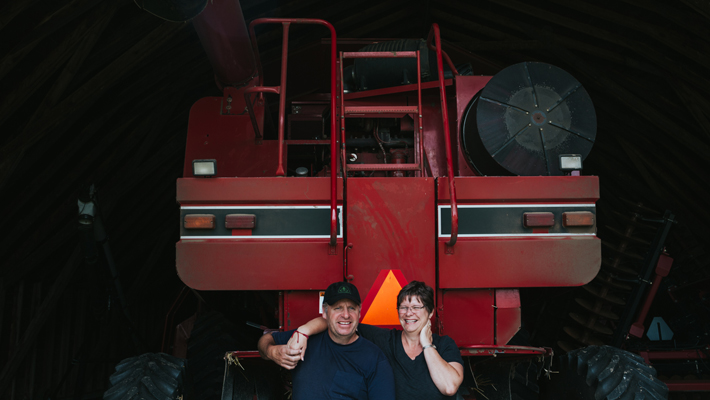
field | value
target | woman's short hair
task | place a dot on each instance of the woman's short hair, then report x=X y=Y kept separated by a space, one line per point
x=421 y=291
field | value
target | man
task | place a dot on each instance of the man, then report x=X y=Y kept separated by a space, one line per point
x=340 y=364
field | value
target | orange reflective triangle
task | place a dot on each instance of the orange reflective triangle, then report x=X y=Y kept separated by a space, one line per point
x=383 y=310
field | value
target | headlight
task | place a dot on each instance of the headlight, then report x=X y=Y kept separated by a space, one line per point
x=570 y=162
x=204 y=167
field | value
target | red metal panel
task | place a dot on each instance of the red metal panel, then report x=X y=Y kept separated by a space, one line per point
x=519 y=262
x=258 y=265
x=255 y=190
x=301 y=307
x=395 y=89
x=558 y=189
x=507 y=314
x=390 y=222
x=467 y=316
x=694 y=354
x=503 y=350
x=229 y=139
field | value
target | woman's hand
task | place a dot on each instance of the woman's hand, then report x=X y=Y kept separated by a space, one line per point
x=425 y=335
x=298 y=342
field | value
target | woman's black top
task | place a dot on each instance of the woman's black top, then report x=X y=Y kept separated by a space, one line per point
x=411 y=377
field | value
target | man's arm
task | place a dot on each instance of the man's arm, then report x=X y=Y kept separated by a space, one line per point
x=299 y=341
x=314 y=326
x=381 y=384
x=280 y=354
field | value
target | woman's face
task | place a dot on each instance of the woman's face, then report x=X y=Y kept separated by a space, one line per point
x=413 y=316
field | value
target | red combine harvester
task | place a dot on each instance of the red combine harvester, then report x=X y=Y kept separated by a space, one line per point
x=399 y=167
x=403 y=169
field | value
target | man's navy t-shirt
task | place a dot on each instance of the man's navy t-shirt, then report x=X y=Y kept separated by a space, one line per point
x=333 y=371
x=412 y=378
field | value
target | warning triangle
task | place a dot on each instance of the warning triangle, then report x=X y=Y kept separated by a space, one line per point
x=383 y=309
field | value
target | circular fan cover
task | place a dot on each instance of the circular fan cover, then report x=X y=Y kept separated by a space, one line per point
x=526 y=116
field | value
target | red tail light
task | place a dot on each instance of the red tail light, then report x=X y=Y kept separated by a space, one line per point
x=240 y=221
x=538 y=219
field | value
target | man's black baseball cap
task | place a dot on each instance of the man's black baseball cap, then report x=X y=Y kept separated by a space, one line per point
x=341 y=290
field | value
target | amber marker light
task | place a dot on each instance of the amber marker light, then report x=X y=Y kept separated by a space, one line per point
x=577 y=218
x=199 y=221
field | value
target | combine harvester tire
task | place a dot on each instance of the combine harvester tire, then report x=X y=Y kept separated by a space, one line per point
x=606 y=373
x=147 y=377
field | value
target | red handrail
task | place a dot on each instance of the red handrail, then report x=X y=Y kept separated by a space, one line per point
x=282 y=93
x=447 y=139
x=250 y=106
x=443 y=53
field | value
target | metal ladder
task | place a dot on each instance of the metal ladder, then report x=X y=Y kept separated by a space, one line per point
x=384 y=112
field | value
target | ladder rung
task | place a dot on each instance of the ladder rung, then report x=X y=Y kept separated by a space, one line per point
x=381 y=110
x=380 y=54
x=307 y=142
x=382 y=167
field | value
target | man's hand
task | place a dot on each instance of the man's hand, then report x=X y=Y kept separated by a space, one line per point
x=280 y=354
x=298 y=342
x=284 y=356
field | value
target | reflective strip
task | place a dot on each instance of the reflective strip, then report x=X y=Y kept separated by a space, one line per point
x=500 y=224
x=283 y=221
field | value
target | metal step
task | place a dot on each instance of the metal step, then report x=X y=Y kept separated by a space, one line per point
x=383 y=167
x=374 y=111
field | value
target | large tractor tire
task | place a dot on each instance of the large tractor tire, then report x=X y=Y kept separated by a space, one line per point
x=151 y=376
x=606 y=373
x=212 y=336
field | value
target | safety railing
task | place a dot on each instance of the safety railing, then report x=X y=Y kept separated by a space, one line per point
x=281 y=91
x=434 y=32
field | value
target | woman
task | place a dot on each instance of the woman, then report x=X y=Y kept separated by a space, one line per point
x=425 y=365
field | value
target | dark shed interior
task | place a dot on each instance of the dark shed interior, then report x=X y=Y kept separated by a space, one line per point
x=98 y=92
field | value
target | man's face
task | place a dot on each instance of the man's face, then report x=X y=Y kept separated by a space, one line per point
x=342 y=318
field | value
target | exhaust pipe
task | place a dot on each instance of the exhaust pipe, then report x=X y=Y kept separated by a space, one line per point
x=222 y=31
x=225 y=38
